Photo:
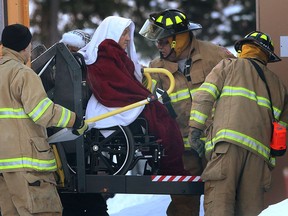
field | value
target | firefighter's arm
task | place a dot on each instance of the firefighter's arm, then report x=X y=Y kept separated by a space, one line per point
x=202 y=104
x=37 y=105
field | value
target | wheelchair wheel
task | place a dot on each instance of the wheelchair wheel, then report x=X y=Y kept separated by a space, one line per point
x=109 y=151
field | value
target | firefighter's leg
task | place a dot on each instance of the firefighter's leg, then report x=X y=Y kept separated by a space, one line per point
x=255 y=181
x=34 y=193
x=6 y=205
x=220 y=181
x=187 y=204
x=229 y=189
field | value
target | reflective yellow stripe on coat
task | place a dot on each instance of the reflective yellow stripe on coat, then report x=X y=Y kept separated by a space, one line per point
x=242 y=139
x=6 y=113
x=26 y=162
x=36 y=113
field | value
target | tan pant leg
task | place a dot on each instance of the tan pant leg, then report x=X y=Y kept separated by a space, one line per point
x=255 y=181
x=6 y=204
x=33 y=193
x=188 y=205
x=233 y=182
x=181 y=205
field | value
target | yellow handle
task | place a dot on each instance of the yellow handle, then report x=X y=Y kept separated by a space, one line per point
x=149 y=81
x=139 y=103
x=164 y=71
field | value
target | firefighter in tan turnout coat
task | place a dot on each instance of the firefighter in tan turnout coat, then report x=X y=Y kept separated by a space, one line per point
x=249 y=97
x=27 y=163
x=189 y=60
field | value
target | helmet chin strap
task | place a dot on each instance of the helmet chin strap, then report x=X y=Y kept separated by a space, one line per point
x=173 y=44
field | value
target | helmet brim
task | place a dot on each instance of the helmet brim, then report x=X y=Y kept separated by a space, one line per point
x=238 y=47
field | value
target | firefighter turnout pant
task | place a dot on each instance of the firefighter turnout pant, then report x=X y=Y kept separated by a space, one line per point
x=235 y=182
x=188 y=205
x=29 y=193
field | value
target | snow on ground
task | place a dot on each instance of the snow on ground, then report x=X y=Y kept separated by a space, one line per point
x=278 y=209
x=155 y=205
x=140 y=205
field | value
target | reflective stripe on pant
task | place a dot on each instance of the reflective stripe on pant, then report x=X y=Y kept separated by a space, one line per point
x=29 y=193
x=235 y=182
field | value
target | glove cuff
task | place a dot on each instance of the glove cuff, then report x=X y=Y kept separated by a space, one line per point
x=78 y=123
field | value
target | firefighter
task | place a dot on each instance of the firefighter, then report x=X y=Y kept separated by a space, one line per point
x=27 y=163
x=189 y=60
x=249 y=97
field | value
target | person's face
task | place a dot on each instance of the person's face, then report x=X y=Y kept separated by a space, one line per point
x=163 y=46
x=125 y=38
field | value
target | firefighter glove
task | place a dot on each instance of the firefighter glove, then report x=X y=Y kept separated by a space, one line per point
x=195 y=141
x=79 y=127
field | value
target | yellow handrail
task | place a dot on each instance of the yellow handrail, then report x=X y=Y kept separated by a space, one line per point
x=149 y=81
x=166 y=72
x=139 y=103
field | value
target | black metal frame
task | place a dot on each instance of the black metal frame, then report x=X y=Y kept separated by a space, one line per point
x=68 y=92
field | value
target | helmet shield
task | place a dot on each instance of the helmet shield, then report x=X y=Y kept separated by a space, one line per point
x=152 y=32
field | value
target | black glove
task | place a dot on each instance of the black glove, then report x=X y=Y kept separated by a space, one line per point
x=79 y=127
x=195 y=142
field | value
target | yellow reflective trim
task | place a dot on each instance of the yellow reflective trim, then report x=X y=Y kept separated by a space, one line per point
x=159 y=19
x=263 y=36
x=41 y=107
x=178 y=20
x=254 y=34
x=283 y=124
x=192 y=91
x=244 y=92
x=198 y=117
x=180 y=95
x=210 y=88
x=65 y=118
x=168 y=22
x=242 y=139
x=12 y=113
x=26 y=162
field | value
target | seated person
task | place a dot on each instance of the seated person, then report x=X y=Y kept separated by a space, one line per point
x=114 y=76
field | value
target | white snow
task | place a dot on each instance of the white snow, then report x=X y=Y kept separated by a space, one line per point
x=141 y=205
x=155 y=205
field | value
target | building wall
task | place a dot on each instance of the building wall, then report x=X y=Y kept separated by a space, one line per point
x=272 y=16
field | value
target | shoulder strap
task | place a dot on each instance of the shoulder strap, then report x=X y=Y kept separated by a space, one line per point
x=262 y=76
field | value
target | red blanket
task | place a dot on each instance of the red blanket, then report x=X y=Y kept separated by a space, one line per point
x=112 y=81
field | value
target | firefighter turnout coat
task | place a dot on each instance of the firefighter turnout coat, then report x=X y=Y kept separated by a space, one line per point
x=204 y=56
x=25 y=112
x=242 y=112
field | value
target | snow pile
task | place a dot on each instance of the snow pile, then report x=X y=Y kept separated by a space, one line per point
x=279 y=209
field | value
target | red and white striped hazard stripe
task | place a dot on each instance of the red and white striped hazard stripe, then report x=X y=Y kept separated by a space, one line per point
x=167 y=178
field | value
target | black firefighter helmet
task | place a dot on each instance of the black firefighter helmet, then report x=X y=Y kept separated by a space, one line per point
x=167 y=23
x=261 y=39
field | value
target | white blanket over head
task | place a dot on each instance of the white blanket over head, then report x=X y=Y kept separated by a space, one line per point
x=111 y=27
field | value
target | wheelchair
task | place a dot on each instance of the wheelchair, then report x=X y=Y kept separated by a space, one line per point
x=63 y=75
x=100 y=163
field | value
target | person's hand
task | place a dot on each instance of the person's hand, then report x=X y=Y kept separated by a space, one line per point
x=195 y=142
x=79 y=127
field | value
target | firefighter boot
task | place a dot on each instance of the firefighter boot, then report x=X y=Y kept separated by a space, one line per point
x=180 y=205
